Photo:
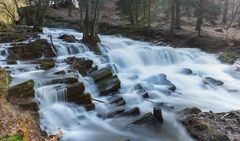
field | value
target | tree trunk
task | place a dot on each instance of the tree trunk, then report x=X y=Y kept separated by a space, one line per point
x=225 y=12
x=199 y=13
x=149 y=14
x=234 y=13
x=42 y=6
x=90 y=35
x=172 y=14
x=81 y=13
x=178 y=15
x=131 y=16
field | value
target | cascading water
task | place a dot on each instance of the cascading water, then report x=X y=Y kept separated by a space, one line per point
x=135 y=63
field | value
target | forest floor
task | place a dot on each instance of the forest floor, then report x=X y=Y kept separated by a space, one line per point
x=213 y=39
x=16 y=124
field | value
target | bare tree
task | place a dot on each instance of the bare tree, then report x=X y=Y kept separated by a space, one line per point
x=90 y=34
x=6 y=10
x=225 y=12
x=235 y=10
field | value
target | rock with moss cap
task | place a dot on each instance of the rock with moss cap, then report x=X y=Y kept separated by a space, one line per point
x=228 y=57
x=31 y=51
x=25 y=89
x=67 y=38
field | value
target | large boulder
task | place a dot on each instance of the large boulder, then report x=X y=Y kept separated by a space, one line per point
x=75 y=93
x=23 y=95
x=228 y=57
x=107 y=83
x=74 y=90
x=206 y=126
x=101 y=74
x=25 y=89
x=11 y=60
x=33 y=50
x=82 y=65
x=161 y=79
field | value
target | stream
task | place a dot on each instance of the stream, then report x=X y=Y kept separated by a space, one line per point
x=134 y=62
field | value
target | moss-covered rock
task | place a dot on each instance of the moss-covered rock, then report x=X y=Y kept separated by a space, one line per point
x=106 y=82
x=31 y=51
x=11 y=60
x=45 y=63
x=68 y=38
x=228 y=57
x=75 y=94
x=101 y=74
x=16 y=137
x=82 y=65
x=24 y=89
x=209 y=126
x=75 y=90
x=109 y=85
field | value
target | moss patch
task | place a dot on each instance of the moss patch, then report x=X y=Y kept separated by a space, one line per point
x=228 y=57
x=15 y=137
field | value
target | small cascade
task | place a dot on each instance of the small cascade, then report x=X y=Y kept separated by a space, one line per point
x=150 y=75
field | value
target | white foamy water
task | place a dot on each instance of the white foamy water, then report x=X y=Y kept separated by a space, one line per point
x=135 y=63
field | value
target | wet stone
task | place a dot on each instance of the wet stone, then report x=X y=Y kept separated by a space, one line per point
x=112 y=113
x=115 y=99
x=74 y=90
x=68 y=38
x=101 y=74
x=212 y=81
x=186 y=71
x=24 y=89
x=132 y=112
x=154 y=119
x=11 y=60
x=143 y=93
x=62 y=72
x=82 y=65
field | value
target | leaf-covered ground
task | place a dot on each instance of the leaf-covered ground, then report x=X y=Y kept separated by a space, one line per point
x=15 y=124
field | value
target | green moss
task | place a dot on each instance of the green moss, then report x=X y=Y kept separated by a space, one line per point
x=201 y=126
x=47 y=64
x=227 y=57
x=68 y=38
x=16 y=137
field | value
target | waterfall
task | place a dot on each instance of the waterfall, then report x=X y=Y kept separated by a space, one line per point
x=136 y=64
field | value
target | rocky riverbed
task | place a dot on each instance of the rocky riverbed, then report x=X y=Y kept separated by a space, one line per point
x=60 y=77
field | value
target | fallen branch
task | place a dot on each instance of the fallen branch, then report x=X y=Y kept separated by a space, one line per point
x=52 y=45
